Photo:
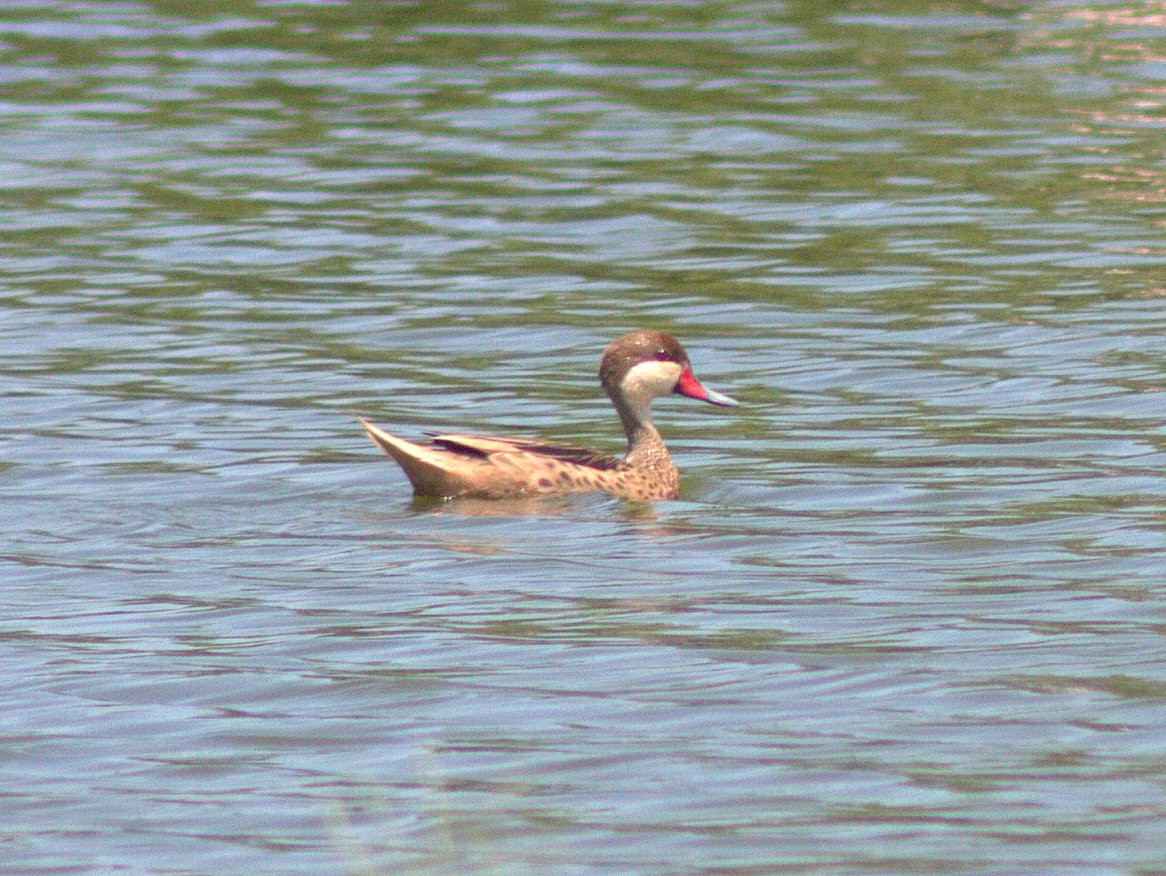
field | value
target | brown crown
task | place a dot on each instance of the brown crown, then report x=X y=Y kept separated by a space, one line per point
x=644 y=345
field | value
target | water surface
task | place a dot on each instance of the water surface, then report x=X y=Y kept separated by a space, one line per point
x=909 y=614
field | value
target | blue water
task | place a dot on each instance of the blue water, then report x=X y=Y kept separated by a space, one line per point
x=909 y=613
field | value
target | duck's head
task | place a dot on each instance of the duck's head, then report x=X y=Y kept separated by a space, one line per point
x=646 y=364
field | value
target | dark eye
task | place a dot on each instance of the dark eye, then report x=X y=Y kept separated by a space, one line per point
x=661 y=355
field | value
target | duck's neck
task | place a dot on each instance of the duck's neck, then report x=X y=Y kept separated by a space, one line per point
x=644 y=442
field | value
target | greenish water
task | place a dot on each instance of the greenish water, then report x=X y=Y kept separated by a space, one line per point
x=909 y=614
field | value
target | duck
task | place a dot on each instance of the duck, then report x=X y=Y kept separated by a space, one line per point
x=634 y=369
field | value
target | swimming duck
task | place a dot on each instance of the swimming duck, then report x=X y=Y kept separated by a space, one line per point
x=635 y=369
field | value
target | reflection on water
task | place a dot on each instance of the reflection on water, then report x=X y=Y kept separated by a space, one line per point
x=907 y=615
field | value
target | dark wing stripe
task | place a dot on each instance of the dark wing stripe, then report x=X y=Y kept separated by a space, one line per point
x=447 y=442
x=569 y=453
x=554 y=449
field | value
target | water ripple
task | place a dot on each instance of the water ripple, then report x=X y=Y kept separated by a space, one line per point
x=907 y=615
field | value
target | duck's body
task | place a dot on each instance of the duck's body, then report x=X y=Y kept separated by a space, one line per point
x=634 y=370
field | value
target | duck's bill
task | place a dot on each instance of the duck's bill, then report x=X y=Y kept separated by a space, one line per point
x=688 y=385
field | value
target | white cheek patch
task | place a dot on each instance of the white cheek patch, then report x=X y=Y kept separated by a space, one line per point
x=650 y=379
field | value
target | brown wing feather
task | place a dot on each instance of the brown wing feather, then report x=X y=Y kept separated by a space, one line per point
x=482 y=446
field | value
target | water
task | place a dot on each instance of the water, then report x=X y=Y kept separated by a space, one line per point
x=909 y=614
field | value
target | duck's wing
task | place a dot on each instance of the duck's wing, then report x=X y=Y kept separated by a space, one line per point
x=484 y=446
